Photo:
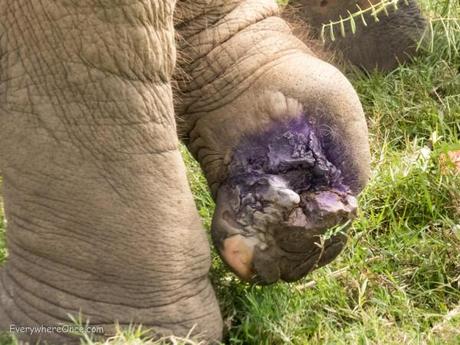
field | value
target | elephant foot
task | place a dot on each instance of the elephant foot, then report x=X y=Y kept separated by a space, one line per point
x=15 y=319
x=34 y=312
x=276 y=207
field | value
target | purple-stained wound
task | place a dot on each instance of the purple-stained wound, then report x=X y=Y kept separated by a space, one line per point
x=287 y=166
x=281 y=195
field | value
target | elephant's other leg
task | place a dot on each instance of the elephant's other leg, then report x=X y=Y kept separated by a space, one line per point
x=100 y=218
x=5 y=320
x=380 y=42
x=280 y=134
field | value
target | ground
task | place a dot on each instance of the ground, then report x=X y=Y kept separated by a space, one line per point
x=398 y=280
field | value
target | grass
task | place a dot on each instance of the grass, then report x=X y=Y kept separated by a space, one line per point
x=398 y=281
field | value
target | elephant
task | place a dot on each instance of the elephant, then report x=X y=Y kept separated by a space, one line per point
x=379 y=39
x=101 y=222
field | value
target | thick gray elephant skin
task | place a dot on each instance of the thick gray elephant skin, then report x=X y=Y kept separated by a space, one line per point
x=101 y=220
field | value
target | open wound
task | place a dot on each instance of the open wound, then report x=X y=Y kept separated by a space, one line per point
x=283 y=177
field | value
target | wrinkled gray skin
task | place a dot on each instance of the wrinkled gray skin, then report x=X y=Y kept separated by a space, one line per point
x=380 y=44
x=101 y=220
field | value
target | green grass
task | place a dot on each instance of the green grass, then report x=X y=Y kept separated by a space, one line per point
x=398 y=281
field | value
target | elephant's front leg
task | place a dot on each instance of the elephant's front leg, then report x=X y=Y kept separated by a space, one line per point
x=101 y=220
x=280 y=135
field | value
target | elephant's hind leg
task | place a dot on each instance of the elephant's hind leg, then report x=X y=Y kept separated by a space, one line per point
x=280 y=134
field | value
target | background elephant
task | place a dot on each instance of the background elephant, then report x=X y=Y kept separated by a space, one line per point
x=101 y=220
x=383 y=37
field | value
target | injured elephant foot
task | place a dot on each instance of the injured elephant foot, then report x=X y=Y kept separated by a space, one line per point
x=278 y=204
